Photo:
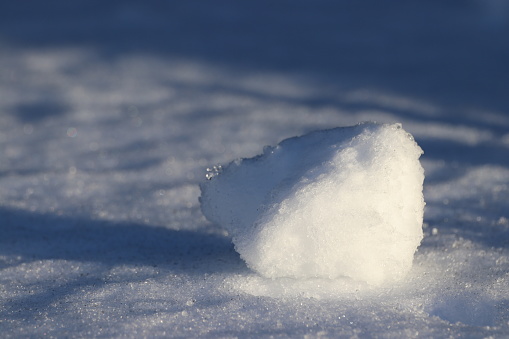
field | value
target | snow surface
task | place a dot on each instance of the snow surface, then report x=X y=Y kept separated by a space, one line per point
x=344 y=202
x=110 y=113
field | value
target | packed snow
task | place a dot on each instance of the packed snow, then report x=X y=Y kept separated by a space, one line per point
x=111 y=112
x=345 y=202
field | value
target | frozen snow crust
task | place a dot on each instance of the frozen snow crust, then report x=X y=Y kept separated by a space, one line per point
x=345 y=202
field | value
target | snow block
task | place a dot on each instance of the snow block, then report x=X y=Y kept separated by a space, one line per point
x=345 y=202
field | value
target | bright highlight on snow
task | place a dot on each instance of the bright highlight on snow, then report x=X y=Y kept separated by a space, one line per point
x=345 y=202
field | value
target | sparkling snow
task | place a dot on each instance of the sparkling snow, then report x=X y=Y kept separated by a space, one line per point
x=111 y=112
x=345 y=202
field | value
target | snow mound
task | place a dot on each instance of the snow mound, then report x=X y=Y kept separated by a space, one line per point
x=345 y=202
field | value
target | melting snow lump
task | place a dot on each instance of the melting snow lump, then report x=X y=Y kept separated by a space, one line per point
x=344 y=202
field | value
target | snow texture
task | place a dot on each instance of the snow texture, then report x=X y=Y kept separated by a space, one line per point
x=111 y=111
x=342 y=202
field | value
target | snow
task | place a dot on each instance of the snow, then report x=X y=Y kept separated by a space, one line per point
x=345 y=202
x=110 y=114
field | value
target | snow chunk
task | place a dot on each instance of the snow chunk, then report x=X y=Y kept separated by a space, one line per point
x=345 y=202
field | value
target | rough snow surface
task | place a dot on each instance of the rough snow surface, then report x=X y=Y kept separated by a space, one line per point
x=345 y=202
x=111 y=111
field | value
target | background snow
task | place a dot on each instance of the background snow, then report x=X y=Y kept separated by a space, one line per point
x=110 y=113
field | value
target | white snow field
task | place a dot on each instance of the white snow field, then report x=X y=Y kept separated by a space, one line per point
x=345 y=202
x=111 y=112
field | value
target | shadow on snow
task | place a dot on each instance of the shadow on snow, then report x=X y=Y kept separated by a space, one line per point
x=45 y=237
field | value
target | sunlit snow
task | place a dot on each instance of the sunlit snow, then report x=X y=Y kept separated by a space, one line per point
x=111 y=113
x=345 y=202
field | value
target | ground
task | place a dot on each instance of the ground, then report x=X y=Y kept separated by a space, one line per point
x=110 y=114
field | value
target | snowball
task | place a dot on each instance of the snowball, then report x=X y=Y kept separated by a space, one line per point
x=345 y=202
